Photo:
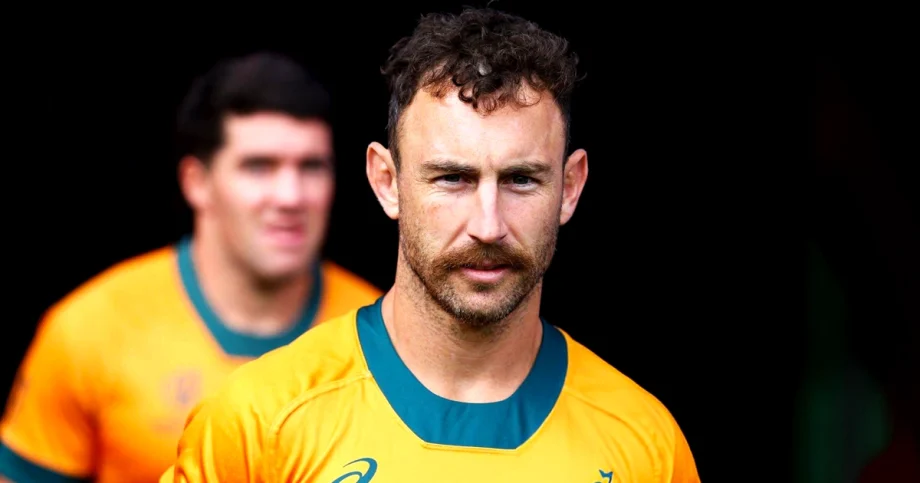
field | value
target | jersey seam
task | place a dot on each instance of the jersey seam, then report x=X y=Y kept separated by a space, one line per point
x=281 y=418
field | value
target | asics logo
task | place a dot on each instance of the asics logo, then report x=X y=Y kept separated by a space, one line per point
x=606 y=476
x=362 y=477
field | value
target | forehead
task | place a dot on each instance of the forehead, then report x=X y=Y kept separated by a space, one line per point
x=273 y=134
x=448 y=127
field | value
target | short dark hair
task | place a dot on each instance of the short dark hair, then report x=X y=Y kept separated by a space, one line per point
x=487 y=54
x=259 y=82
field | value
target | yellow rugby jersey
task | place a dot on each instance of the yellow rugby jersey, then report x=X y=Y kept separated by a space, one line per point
x=116 y=366
x=339 y=406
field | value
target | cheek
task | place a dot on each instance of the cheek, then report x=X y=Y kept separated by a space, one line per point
x=529 y=219
x=424 y=220
x=319 y=192
x=444 y=217
x=238 y=196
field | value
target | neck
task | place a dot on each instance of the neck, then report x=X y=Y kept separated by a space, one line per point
x=466 y=365
x=243 y=302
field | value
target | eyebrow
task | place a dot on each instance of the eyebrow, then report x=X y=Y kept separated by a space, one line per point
x=269 y=158
x=328 y=159
x=518 y=168
x=435 y=166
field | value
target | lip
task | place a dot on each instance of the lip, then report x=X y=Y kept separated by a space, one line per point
x=286 y=235
x=486 y=275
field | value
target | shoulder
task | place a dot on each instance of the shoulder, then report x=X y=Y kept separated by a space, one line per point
x=110 y=295
x=269 y=388
x=614 y=396
x=344 y=284
x=339 y=277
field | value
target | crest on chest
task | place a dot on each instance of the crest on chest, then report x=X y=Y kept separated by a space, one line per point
x=182 y=389
x=178 y=392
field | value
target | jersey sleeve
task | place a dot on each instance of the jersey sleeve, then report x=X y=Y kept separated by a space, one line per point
x=222 y=442
x=46 y=434
x=684 y=469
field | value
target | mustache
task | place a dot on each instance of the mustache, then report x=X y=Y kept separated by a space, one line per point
x=482 y=254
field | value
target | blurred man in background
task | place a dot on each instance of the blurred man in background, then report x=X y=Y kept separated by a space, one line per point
x=114 y=368
x=452 y=376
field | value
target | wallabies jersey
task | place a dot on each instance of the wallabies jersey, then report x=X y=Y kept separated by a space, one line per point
x=339 y=406
x=115 y=367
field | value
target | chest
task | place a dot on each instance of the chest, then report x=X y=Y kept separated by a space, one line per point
x=155 y=386
x=418 y=463
x=375 y=446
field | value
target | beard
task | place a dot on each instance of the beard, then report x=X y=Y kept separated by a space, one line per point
x=476 y=305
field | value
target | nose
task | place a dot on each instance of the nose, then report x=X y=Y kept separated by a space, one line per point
x=289 y=188
x=487 y=224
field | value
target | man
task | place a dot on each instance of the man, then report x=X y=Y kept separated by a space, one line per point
x=115 y=367
x=451 y=376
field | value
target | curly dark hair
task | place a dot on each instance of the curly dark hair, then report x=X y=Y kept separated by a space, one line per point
x=489 y=56
x=258 y=82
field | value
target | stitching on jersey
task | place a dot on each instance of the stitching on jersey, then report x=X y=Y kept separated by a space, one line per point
x=282 y=416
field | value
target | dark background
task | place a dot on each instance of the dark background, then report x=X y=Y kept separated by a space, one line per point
x=686 y=263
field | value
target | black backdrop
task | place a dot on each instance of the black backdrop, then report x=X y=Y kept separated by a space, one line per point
x=683 y=266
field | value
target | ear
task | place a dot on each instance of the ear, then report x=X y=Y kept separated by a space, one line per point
x=574 y=176
x=381 y=174
x=193 y=180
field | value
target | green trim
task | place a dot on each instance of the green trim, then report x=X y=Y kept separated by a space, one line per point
x=232 y=342
x=19 y=470
x=504 y=424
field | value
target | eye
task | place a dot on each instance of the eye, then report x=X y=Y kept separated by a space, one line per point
x=314 y=165
x=521 y=180
x=257 y=165
x=451 y=178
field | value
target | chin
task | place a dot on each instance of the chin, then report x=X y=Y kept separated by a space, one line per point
x=480 y=318
x=283 y=268
x=479 y=309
